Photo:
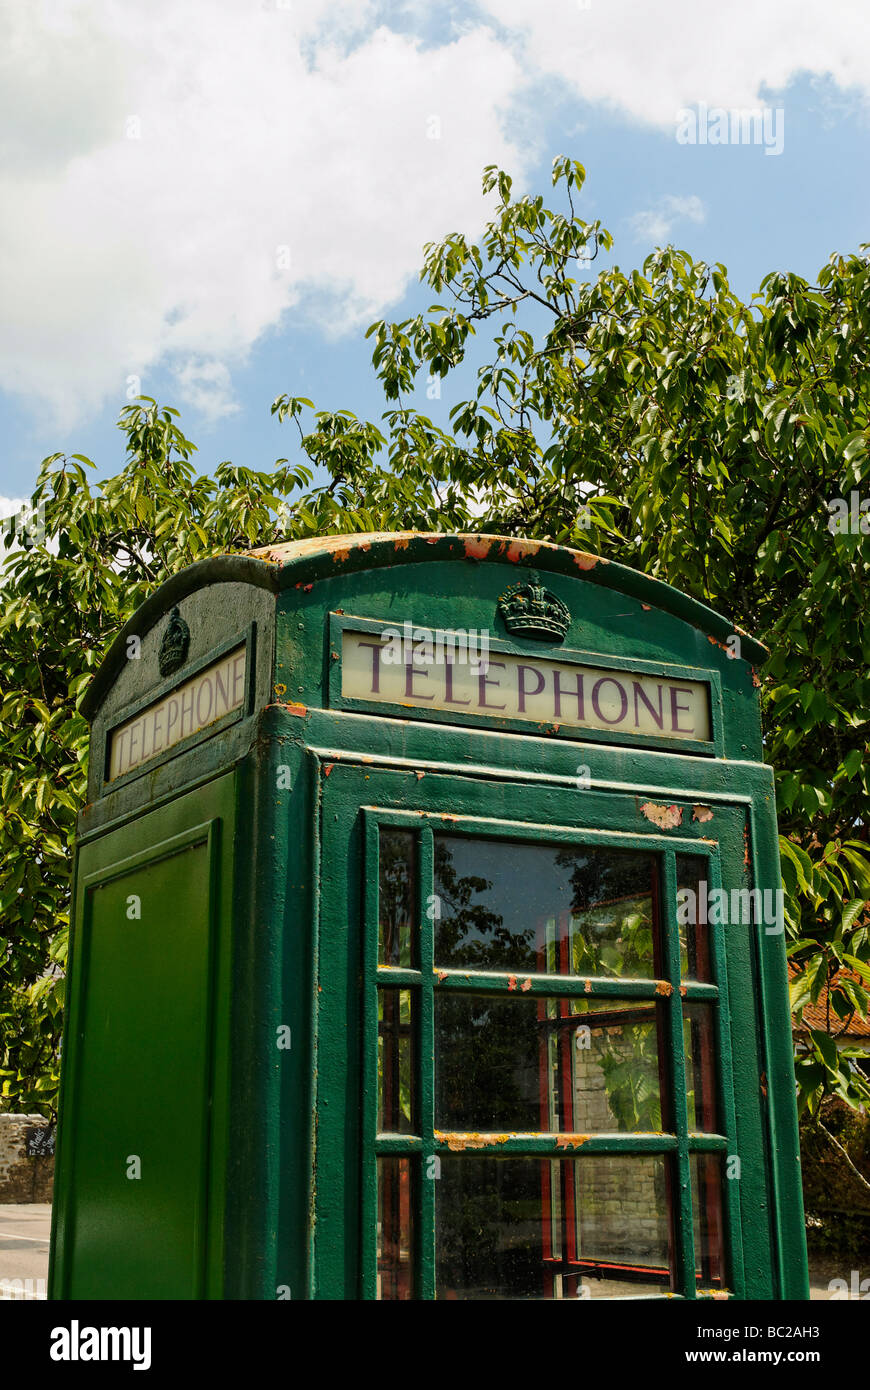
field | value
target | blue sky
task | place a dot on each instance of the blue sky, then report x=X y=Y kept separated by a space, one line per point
x=217 y=198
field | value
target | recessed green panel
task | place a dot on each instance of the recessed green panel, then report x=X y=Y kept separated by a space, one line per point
x=143 y=1080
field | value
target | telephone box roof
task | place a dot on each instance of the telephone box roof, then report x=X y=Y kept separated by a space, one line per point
x=296 y=563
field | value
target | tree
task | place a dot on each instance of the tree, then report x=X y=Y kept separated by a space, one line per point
x=653 y=417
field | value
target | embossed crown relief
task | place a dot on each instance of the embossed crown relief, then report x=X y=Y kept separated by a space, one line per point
x=527 y=609
x=175 y=644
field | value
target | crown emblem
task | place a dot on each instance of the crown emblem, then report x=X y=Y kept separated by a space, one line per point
x=530 y=610
x=173 y=648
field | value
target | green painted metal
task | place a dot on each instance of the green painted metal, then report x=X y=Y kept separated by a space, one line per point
x=260 y=1160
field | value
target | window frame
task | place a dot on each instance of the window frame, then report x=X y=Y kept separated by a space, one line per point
x=426 y=979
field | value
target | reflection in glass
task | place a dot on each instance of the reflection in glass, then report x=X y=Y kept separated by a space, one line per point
x=707 y=1217
x=497 y=1236
x=395 y=1044
x=693 y=891
x=700 y=1048
x=570 y=909
x=395 y=1229
x=587 y=1066
x=397 y=893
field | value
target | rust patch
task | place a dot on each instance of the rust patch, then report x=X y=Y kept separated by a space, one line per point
x=306 y=588
x=714 y=641
x=419 y=776
x=526 y=985
x=570 y=1141
x=755 y=680
x=647 y=607
x=747 y=860
x=280 y=690
x=457 y=1142
x=665 y=817
x=342 y=555
x=684 y=989
x=587 y=988
x=702 y=813
x=442 y=975
x=763 y=1080
x=402 y=543
x=664 y=987
x=328 y=768
x=292 y=708
x=512 y=982
x=584 y=561
x=521 y=550
x=477 y=549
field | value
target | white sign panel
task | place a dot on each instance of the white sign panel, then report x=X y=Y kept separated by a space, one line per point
x=199 y=702
x=504 y=685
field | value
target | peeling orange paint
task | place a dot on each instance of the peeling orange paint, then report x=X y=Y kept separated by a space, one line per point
x=442 y=974
x=526 y=985
x=512 y=982
x=665 y=817
x=587 y=988
x=457 y=1142
x=755 y=680
x=521 y=550
x=702 y=813
x=477 y=549
x=328 y=769
x=341 y=554
x=570 y=1141
x=402 y=543
x=647 y=607
x=280 y=690
x=664 y=987
x=292 y=708
x=684 y=989
x=584 y=561
x=306 y=588
x=419 y=776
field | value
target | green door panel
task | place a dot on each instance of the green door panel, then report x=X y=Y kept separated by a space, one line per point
x=135 y=1137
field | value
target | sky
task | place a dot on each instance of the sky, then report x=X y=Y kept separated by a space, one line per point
x=209 y=202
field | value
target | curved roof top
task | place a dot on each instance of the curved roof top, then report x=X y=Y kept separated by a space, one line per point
x=300 y=562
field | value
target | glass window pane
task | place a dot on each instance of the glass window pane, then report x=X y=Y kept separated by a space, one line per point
x=395 y=1229
x=708 y=1219
x=395 y=1056
x=700 y=1047
x=693 y=891
x=499 y=1235
x=587 y=1066
x=397 y=895
x=568 y=909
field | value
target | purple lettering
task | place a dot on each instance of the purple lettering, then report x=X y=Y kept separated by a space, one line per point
x=410 y=672
x=238 y=678
x=158 y=715
x=577 y=693
x=221 y=690
x=640 y=694
x=171 y=717
x=119 y=760
x=677 y=710
x=482 y=682
x=186 y=709
x=134 y=737
x=375 y=648
x=205 y=684
x=448 y=687
x=522 y=692
x=596 y=704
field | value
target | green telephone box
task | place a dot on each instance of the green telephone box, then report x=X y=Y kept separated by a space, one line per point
x=427 y=940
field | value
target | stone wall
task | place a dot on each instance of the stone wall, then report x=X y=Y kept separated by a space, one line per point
x=24 y=1178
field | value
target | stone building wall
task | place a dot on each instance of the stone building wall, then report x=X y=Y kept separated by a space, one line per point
x=24 y=1178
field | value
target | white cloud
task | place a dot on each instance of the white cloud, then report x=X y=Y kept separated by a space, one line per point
x=175 y=177
x=649 y=60
x=655 y=224
x=180 y=175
